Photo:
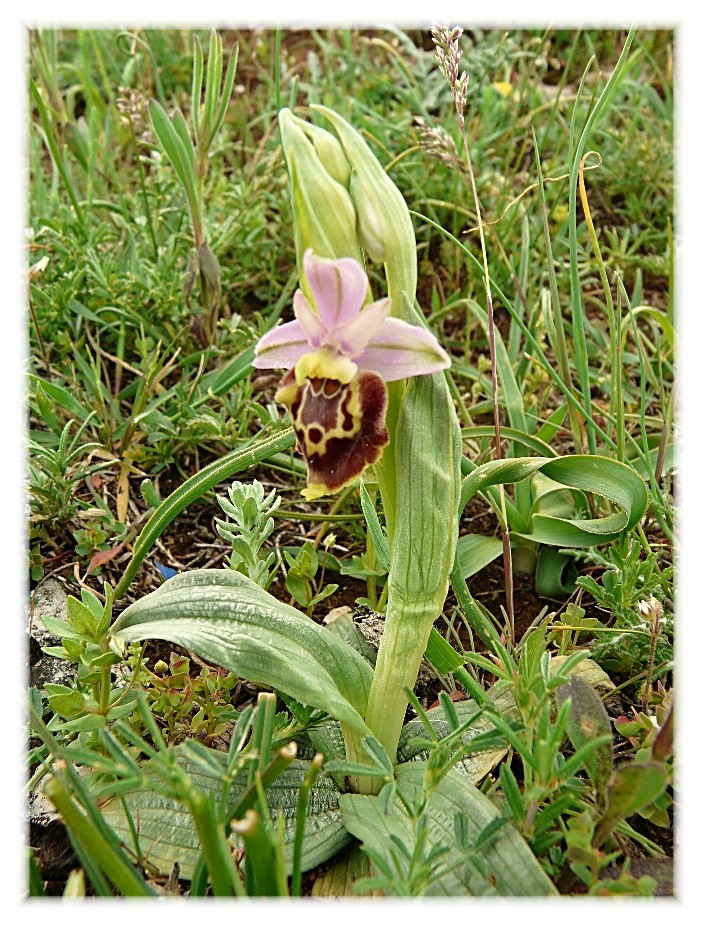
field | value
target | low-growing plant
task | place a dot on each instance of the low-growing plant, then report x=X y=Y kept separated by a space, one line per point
x=188 y=704
x=251 y=526
x=189 y=156
x=54 y=475
x=90 y=701
x=222 y=795
x=301 y=579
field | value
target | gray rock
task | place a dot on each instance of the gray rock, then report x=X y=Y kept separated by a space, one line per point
x=48 y=599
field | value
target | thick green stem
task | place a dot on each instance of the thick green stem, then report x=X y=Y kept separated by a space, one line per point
x=407 y=629
x=422 y=539
x=356 y=753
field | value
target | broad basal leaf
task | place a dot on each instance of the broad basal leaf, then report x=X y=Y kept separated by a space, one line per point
x=506 y=866
x=167 y=834
x=227 y=619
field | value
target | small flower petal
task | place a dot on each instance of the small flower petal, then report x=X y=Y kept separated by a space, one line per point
x=282 y=347
x=315 y=332
x=400 y=350
x=353 y=337
x=339 y=288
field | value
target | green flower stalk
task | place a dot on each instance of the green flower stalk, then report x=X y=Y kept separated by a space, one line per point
x=321 y=164
x=339 y=357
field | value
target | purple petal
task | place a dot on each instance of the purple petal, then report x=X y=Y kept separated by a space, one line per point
x=314 y=330
x=282 y=347
x=339 y=288
x=399 y=351
x=353 y=337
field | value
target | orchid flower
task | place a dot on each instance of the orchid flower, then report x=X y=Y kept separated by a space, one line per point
x=339 y=355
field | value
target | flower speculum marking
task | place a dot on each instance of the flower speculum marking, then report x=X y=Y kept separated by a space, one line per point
x=340 y=427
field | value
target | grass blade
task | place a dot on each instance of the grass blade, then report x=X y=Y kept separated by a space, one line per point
x=193 y=489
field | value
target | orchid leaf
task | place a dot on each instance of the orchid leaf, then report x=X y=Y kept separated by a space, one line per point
x=556 y=573
x=227 y=619
x=167 y=832
x=614 y=481
x=533 y=442
x=509 y=865
x=475 y=551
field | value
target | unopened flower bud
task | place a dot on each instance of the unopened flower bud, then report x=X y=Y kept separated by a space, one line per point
x=330 y=152
x=370 y=228
x=324 y=218
x=384 y=224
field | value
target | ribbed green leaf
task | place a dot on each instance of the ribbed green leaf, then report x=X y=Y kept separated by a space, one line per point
x=227 y=619
x=556 y=573
x=534 y=442
x=193 y=489
x=498 y=472
x=167 y=832
x=474 y=552
x=422 y=548
x=614 y=481
x=513 y=869
x=422 y=544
